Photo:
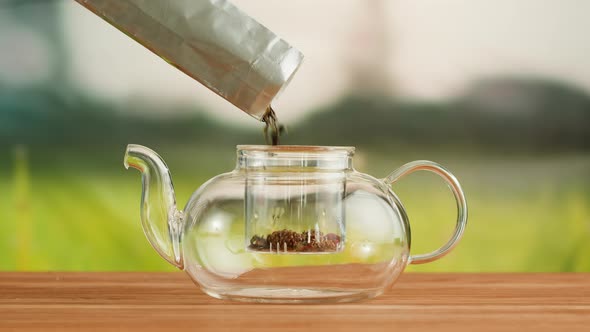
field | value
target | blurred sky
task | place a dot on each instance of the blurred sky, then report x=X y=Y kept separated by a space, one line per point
x=414 y=48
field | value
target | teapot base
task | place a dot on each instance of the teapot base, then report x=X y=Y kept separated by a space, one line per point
x=291 y=295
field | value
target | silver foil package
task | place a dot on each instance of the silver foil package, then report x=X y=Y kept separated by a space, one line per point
x=213 y=42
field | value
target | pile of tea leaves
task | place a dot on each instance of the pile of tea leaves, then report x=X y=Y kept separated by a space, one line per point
x=291 y=241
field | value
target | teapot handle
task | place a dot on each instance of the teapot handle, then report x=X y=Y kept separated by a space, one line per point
x=425 y=165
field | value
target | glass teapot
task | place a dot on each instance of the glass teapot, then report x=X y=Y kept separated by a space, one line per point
x=294 y=224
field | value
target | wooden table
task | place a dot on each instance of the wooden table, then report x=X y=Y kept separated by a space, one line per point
x=418 y=302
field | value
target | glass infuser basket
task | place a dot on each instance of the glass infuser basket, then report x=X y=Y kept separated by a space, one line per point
x=293 y=224
x=289 y=211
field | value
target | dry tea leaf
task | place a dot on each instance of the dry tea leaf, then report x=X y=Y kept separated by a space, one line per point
x=272 y=130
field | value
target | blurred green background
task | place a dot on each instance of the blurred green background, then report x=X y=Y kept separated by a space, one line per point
x=496 y=92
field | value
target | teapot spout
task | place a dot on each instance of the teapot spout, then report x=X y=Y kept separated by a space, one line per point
x=161 y=221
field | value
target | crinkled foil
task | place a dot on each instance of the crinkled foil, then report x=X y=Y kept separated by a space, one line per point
x=213 y=42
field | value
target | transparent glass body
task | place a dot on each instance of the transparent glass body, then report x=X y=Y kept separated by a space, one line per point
x=288 y=224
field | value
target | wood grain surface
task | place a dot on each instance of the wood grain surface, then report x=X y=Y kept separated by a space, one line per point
x=170 y=301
